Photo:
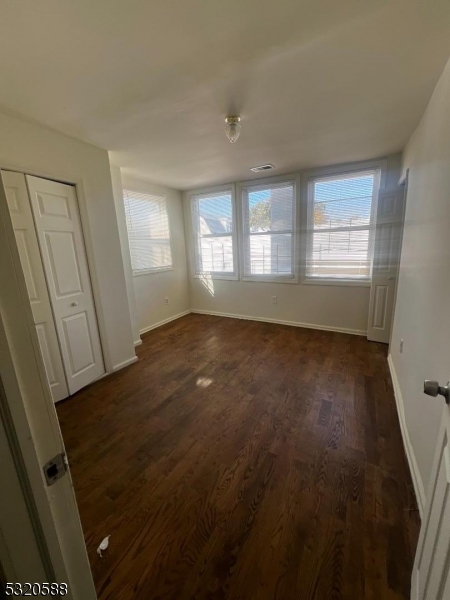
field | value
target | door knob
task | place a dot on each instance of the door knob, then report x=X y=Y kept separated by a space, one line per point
x=74 y=304
x=432 y=388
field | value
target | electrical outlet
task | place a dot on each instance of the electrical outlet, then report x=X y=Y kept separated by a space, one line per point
x=167 y=300
x=401 y=346
x=274 y=299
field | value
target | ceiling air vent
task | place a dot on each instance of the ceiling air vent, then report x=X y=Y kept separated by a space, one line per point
x=262 y=168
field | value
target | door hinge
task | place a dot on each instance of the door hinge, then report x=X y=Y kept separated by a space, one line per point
x=55 y=468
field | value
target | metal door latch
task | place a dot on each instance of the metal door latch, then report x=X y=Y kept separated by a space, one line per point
x=55 y=468
x=432 y=388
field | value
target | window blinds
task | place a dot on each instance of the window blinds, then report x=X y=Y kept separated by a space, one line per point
x=268 y=216
x=148 y=232
x=213 y=225
x=339 y=226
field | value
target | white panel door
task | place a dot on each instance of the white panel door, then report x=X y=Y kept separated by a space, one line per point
x=431 y=573
x=30 y=258
x=386 y=258
x=61 y=241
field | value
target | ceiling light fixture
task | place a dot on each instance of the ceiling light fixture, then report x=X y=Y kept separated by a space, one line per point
x=233 y=128
x=262 y=168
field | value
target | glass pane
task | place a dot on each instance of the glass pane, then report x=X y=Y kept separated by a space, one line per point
x=148 y=254
x=270 y=209
x=216 y=255
x=270 y=254
x=215 y=214
x=148 y=231
x=340 y=254
x=343 y=202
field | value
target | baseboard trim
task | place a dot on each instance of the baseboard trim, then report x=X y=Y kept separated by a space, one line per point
x=138 y=343
x=150 y=327
x=415 y=473
x=124 y=364
x=281 y=322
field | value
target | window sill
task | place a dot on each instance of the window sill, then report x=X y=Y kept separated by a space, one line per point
x=151 y=271
x=336 y=282
x=262 y=279
x=225 y=277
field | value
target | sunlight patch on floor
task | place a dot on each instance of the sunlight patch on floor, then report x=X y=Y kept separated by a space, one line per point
x=203 y=382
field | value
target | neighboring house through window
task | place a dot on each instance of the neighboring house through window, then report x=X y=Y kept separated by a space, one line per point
x=269 y=231
x=213 y=227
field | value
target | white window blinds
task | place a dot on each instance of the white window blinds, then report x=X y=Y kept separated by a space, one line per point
x=148 y=232
x=268 y=220
x=339 y=226
x=213 y=227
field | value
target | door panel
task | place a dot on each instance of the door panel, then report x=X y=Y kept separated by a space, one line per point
x=64 y=265
x=27 y=266
x=78 y=339
x=431 y=574
x=380 y=306
x=41 y=329
x=30 y=258
x=388 y=235
x=61 y=241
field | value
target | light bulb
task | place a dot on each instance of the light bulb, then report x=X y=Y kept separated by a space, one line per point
x=233 y=128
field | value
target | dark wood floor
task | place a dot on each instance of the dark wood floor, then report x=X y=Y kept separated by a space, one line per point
x=244 y=460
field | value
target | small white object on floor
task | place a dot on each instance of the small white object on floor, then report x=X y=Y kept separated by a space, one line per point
x=104 y=544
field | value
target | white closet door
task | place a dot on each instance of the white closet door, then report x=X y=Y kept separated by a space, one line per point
x=61 y=241
x=30 y=258
x=386 y=259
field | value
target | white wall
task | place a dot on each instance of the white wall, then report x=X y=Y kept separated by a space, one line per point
x=117 y=185
x=336 y=307
x=30 y=147
x=422 y=315
x=152 y=289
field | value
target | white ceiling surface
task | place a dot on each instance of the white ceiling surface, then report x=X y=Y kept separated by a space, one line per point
x=316 y=82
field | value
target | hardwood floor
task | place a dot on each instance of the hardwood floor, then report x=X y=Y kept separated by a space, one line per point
x=244 y=460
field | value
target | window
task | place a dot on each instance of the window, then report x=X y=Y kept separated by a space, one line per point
x=269 y=231
x=340 y=214
x=148 y=232
x=213 y=228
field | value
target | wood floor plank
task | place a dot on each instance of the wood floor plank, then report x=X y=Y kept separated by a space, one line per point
x=242 y=460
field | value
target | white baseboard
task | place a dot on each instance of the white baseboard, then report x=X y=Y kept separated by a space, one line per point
x=415 y=473
x=150 y=327
x=124 y=364
x=138 y=342
x=281 y=322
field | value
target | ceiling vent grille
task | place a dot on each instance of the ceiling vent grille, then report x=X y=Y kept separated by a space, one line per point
x=262 y=168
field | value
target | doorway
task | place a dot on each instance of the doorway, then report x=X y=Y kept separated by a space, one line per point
x=49 y=237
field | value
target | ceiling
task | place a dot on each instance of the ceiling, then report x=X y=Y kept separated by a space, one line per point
x=316 y=82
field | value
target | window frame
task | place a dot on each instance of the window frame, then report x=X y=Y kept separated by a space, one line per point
x=244 y=186
x=137 y=190
x=379 y=167
x=190 y=198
